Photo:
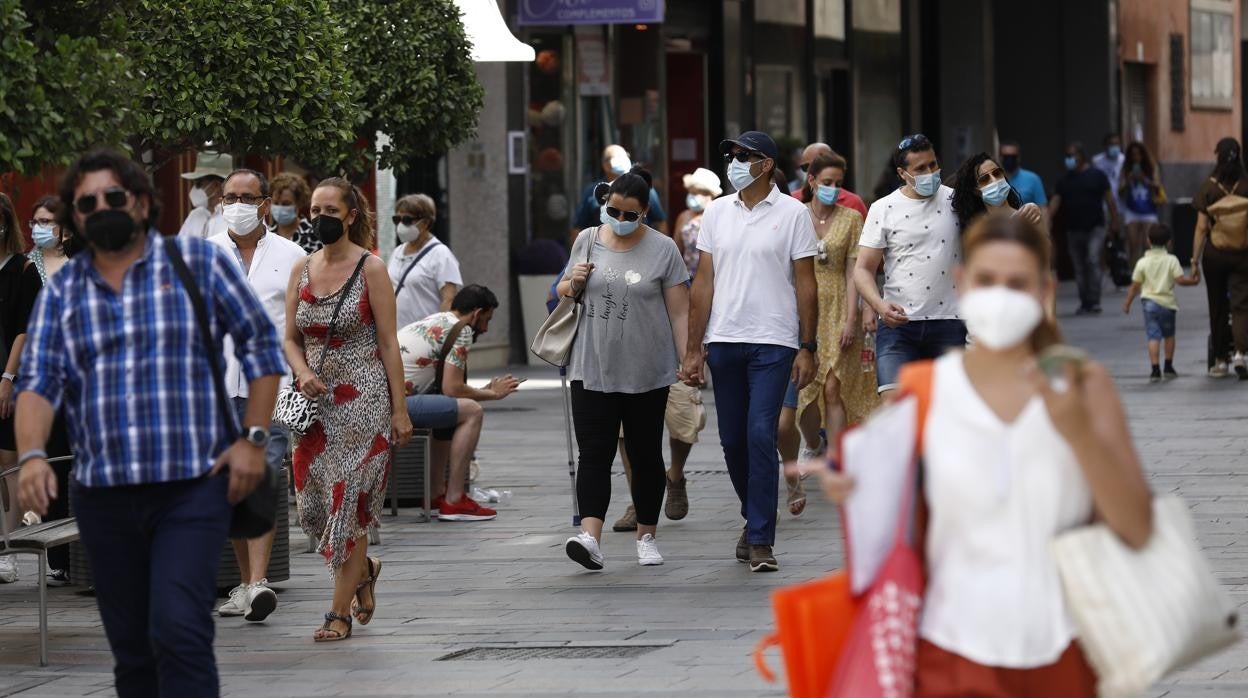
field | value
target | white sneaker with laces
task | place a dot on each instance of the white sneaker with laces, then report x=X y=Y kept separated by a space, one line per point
x=1219 y=370
x=261 y=601
x=237 y=604
x=1240 y=362
x=584 y=549
x=648 y=551
x=8 y=569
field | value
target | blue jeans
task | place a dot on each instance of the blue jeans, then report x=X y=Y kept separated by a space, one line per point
x=154 y=551
x=750 y=380
x=913 y=341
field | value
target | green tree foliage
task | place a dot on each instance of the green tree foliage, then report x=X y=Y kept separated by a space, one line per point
x=414 y=65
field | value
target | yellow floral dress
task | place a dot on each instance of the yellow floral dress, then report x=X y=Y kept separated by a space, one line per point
x=858 y=387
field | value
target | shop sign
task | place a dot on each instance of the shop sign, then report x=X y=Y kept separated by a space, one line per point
x=556 y=12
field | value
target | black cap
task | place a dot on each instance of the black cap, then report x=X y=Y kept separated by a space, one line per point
x=756 y=141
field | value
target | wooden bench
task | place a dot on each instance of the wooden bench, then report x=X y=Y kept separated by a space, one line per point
x=33 y=540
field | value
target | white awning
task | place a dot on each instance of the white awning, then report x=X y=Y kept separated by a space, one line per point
x=490 y=37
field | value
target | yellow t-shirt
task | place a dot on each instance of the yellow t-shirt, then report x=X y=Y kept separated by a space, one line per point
x=1155 y=273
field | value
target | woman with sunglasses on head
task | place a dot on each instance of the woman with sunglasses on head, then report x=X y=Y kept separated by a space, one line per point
x=356 y=378
x=290 y=195
x=425 y=272
x=980 y=186
x=631 y=281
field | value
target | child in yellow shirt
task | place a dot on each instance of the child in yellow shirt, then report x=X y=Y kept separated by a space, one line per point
x=1154 y=278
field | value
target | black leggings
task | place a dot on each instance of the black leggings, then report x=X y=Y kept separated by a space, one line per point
x=598 y=417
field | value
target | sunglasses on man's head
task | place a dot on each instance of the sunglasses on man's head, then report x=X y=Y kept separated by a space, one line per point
x=912 y=141
x=987 y=177
x=619 y=215
x=742 y=155
x=406 y=220
x=114 y=197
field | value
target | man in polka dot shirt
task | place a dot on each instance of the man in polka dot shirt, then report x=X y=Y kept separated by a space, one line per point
x=914 y=232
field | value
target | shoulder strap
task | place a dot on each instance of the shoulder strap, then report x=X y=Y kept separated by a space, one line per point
x=448 y=343
x=428 y=248
x=329 y=334
x=205 y=333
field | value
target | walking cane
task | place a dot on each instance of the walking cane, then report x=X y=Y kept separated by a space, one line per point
x=565 y=398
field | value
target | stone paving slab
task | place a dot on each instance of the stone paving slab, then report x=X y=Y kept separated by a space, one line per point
x=448 y=587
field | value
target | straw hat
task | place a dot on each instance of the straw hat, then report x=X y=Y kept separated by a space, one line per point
x=210 y=164
x=704 y=180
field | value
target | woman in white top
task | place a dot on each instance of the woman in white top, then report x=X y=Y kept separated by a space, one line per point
x=1010 y=462
x=424 y=272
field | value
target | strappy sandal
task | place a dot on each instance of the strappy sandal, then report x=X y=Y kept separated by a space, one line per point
x=797 y=497
x=357 y=607
x=337 y=635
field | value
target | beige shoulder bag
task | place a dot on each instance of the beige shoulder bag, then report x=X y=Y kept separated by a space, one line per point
x=554 y=339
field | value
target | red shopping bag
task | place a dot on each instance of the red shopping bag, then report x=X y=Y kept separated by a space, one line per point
x=813 y=621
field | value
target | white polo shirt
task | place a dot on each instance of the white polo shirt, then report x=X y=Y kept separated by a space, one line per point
x=753 y=251
x=202 y=223
x=271 y=266
x=422 y=289
x=921 y=240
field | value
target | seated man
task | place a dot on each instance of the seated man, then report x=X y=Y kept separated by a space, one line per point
x=450 y=407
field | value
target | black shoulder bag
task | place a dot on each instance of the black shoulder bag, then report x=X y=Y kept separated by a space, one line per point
x=399 y=288
x=255 y=515
x=448 y=345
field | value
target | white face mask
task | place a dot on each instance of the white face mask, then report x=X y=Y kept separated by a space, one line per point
x=999 y=317
x=242 y=218
x=407 y=233
x=198 y=197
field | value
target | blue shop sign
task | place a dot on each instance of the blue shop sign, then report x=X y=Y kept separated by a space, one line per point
x=555 y=12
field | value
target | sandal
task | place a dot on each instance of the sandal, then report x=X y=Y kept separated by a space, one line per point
x=357 y=606
x=326 y=628
x=797 y=497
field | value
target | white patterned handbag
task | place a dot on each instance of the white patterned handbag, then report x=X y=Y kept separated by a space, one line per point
x=1143 y=613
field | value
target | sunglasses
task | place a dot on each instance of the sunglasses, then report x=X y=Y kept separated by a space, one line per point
x=406 y=220
x=619 y=215
x=911 y=141
x=986 y=178
x=114 y=198
x=743 y=156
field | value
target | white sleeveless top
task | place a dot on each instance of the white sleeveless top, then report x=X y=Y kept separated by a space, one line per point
x=997 y=493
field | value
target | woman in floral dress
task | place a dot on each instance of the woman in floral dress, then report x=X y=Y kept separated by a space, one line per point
x=341 y=464
x=841 y=389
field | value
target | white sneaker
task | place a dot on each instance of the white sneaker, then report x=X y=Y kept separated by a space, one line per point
x=8 y=570
x=1219 y=370
x=237 y=604
x=584 y=549
x=1240 y=362
x=648 y=551
x=261 y=601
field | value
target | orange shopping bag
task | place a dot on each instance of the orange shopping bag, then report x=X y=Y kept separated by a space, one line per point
x=813 y=620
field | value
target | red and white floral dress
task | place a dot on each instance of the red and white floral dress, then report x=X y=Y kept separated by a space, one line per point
x=343 y=461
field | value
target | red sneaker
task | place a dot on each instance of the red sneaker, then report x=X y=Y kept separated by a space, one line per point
x=465 y=510
x=438 y=501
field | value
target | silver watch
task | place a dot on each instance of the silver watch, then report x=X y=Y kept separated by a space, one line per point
x=256 y=436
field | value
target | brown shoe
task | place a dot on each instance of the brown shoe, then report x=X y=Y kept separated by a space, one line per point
x=677 y=506
x=761 y=559
x=627 y=522
x=743 y=548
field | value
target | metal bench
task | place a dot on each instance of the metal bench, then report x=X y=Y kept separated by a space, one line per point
x=34 y=540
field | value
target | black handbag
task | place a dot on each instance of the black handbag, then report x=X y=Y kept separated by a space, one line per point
x=257 y=513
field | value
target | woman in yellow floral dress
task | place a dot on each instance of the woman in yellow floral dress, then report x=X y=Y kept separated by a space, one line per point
x=842 y=391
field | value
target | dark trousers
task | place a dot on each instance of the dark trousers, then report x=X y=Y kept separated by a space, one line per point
x=750 y=380
x=598 y=417
x=1086 y=248
x=154 y=551
x=1226 y=283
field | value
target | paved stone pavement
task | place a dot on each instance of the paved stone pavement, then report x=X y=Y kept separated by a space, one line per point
x=506 y=583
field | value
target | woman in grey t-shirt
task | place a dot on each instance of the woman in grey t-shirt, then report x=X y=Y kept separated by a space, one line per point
x=629 y=345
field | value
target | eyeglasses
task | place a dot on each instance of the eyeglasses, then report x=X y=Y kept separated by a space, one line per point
x=406 y=220
x=114 y=198
x=911 y=141
x=743 y=156
x=248 y=199
x=983 y=179
x=40 y=221
x=619 y=215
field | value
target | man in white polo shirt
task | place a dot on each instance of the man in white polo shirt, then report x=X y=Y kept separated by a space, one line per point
x=267 y=260
x=754 y=305
x=914 y=232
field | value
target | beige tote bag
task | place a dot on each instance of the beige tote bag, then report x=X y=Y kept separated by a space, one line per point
x=554 y=339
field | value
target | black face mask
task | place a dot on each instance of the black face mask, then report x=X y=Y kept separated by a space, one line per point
x=110 y=230
x=328 y=228
x=1009 y=163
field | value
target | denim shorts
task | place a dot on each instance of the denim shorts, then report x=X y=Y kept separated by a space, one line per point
x=1158 y=320
x=913 y=341
x=790 y=396
x=437 y=412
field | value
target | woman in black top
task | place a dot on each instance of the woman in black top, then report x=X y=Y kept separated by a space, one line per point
x=19 y=284
x=1224 y=263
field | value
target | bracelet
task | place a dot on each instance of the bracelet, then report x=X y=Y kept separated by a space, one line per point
x=12 y=377
x=32 y=454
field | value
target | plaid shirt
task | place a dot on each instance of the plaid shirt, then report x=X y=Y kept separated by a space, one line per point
x=131 y=369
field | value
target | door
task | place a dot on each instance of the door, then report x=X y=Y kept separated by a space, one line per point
x=686 y=126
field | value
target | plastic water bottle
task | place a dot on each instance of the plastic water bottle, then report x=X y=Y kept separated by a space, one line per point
x=868 y=352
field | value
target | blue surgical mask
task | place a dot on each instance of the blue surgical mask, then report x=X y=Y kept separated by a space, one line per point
x=284 y=215
x=1071 y=162
x=995 y=193
x=693 y=202
x=44 y=236
x=1114 y=151
x=621 y=228
x=926 y=185
x=739 y=174
x=826 y=194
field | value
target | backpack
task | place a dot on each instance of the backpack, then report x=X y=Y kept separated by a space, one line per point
x=1230 y=219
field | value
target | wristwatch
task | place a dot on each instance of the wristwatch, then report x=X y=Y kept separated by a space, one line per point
x=11 y=377
x=812 y=347
x=256 y=436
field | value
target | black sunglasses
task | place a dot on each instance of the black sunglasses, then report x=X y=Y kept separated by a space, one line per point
x=619 y=215
x=912 y=141
x=114 y=197
x=743 y=156
x=406 y=220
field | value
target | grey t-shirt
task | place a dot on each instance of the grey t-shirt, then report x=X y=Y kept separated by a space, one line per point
x=624 y=343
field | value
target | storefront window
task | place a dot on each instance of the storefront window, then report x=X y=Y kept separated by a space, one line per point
x=551 y=136
x=1213 y=54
